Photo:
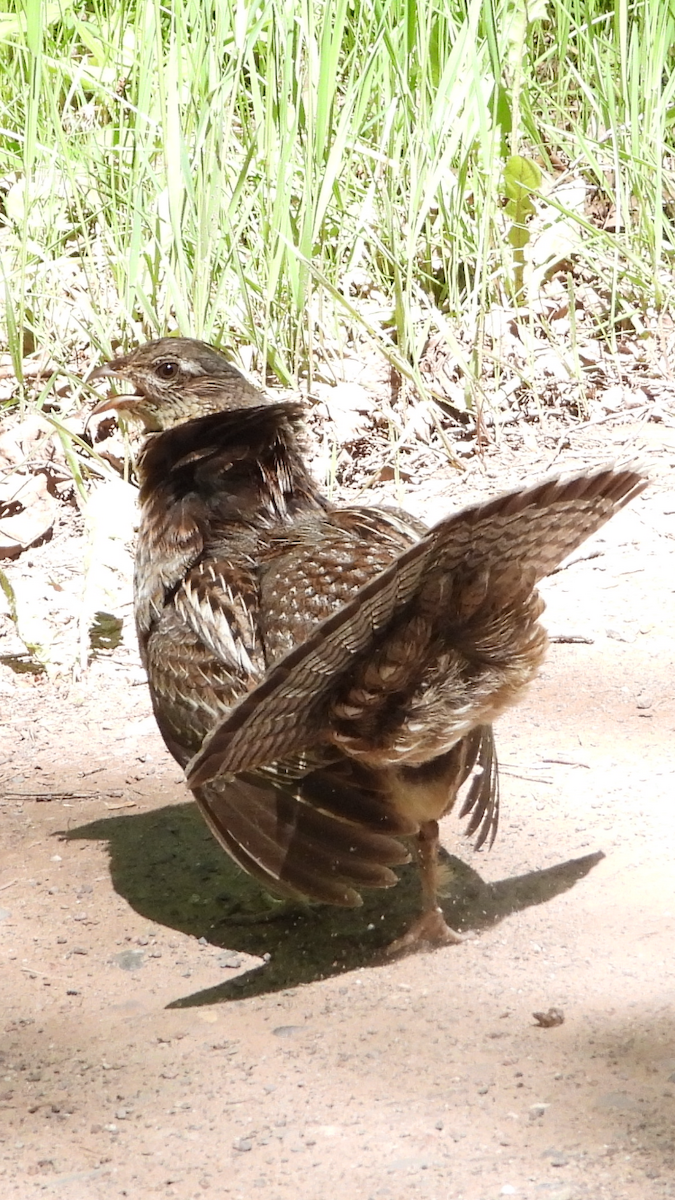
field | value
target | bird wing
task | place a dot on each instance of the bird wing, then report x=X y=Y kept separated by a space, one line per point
x=203 y=652
x=219 y=601
x=534 y=528
x=283 y=832
x=313 y=569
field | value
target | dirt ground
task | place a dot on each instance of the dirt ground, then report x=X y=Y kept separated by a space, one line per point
x=158 y=1039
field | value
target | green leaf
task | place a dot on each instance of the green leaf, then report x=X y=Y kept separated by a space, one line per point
x=521 y=175
x=518 y=236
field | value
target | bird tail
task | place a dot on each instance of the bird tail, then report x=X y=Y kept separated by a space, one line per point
x=278 y=834
x=515 y=539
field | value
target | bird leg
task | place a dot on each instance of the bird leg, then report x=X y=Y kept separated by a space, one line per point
x=430 y=928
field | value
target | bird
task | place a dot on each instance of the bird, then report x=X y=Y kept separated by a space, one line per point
x=328 y=676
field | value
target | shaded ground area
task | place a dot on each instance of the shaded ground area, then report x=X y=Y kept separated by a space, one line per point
x=170 y=870
x=150 y=1046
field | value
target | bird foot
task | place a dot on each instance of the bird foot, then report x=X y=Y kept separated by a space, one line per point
x=431 y=929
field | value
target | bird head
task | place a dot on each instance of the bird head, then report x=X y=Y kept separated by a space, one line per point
x=174 y=380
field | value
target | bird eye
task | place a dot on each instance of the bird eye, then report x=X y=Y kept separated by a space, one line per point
x=166 y=370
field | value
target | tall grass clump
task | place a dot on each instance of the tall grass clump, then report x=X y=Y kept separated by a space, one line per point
x=288 y=175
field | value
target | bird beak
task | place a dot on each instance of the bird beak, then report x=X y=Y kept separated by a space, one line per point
x=116 y=404
x=105 y=370
x=112 y=370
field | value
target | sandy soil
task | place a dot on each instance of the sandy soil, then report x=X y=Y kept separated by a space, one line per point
x=158 y=1039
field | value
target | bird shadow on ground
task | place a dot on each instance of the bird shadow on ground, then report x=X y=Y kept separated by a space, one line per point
x=168 y=867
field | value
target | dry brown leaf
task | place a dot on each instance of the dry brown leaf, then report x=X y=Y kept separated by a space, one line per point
x=27 y=513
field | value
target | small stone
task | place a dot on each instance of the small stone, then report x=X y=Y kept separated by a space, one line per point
x=242 y=1144
x=620 y=635
x=287 y=1031
x=231 y=961
x=61 y=941
x=537 y=1110
x=129 y=960
x=550 y=1018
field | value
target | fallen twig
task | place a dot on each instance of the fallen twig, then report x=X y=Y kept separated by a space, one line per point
x=51 y=795
x=567 y=762
x=580 y=559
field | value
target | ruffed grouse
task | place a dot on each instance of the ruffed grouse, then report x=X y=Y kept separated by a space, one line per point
x=328 y=676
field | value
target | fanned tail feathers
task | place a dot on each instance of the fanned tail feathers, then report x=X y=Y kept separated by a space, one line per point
x=534 y=528
x=292 y=848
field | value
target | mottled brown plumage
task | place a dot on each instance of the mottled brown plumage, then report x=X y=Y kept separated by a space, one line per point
x=328 y=676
